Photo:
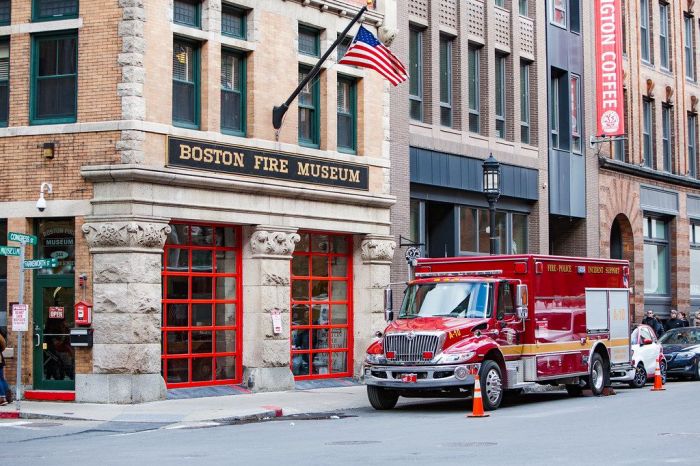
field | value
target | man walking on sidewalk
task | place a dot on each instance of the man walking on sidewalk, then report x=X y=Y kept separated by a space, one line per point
x=5 y=394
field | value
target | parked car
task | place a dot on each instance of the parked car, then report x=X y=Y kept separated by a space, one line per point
x=682 y=350
x=645 y=353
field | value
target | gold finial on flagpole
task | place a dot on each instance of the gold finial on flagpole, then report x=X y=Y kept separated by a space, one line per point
x=370 y=3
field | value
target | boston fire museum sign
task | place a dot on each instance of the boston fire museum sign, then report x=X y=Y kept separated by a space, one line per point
x=224 y=158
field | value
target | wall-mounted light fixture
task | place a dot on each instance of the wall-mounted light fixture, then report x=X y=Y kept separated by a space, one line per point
x=48 y=150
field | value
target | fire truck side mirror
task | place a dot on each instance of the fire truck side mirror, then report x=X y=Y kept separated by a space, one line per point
x=388 y=304
x=521 y=299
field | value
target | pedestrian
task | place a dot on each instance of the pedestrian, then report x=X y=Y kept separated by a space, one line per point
x=652 y=321
x=674 y=321
x=696 y=319
x=4 y=387
x=683 y=318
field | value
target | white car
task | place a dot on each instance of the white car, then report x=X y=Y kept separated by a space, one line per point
x=645 y=354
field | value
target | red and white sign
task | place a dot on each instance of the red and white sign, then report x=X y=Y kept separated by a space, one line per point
x=56 y=312
x=20 y=317
x=609 y=74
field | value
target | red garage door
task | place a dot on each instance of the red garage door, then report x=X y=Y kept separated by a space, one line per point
x=202 y=305
x=321 y=302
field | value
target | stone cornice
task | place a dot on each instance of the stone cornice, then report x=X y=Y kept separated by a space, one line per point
x=277 y=244
x=648 y=173
x=377 y=249
x=125 y=236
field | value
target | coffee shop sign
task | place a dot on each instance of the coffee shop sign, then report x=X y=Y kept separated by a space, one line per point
x=224 y=158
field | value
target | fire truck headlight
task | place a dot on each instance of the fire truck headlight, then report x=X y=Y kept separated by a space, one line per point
x=375 y=359
x=461 y=372
x=455 y=358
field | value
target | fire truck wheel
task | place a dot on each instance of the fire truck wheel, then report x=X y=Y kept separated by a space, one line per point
x=491 y=385
x=381 y=398
x=596 y=378
x=574 y=389
x=640 y=377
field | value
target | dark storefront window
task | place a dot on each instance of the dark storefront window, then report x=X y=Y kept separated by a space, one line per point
x=656 y=256
x=202 y=339
x=233 y=93
x=57 y=241
x=185 y=84
x=45 y=10
x=321 y=302
x=511 y=230
x=54 y=92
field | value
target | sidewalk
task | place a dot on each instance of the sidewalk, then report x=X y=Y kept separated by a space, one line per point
x=215 y=409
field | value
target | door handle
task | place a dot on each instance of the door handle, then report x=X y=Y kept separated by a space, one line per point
x=37 y=335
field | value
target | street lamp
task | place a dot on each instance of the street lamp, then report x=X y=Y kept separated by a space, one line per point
x=492 y=190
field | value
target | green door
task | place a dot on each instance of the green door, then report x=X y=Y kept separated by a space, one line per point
x=54 y=358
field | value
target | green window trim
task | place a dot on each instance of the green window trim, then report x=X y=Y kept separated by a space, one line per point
x=196 y=19
x=35 y=119
x=4 y=81
x=5 y=12
x=195 y=80
x=351 y=113
x=314 y=108
x=241 y=131
x=316 y=52
x=37 y=6
x=238 y=16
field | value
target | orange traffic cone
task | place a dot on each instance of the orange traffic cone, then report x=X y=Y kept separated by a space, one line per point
x=658 y=383
x=477 y=403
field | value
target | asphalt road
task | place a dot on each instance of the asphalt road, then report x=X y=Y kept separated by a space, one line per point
x=632 y=427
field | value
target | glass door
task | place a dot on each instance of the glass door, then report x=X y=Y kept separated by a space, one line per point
x=54 y=358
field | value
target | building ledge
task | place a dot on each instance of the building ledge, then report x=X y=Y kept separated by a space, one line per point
x=644 y=172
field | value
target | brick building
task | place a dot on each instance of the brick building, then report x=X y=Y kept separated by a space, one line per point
x=648 y=187
x=476 y=88
x=192 y=222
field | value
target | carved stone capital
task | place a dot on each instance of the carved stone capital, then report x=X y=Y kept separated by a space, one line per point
x=124 y=236
x=277 y=244
x=377 y=249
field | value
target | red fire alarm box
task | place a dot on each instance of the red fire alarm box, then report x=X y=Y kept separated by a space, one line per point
x=83 y=314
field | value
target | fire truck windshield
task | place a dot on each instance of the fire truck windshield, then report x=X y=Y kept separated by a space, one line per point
x=453 y=299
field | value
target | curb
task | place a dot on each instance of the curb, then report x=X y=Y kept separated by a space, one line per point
x=249 y=418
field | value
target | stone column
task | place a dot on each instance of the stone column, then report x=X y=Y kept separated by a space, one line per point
x=266 y=286
x=371 y=277
x=127 y=257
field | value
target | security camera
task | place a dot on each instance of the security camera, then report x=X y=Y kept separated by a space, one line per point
x=41 y=202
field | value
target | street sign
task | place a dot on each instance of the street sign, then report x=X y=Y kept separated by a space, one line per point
x=9 y=251
x=40 y=263
x=20 y=317
x=21 y=238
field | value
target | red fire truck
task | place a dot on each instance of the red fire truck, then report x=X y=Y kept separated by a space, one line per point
x=514 y=320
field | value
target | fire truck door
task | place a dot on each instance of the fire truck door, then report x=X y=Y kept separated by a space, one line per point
x=510 y=326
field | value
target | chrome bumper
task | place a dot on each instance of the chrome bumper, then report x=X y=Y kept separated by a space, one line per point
x=427 y=377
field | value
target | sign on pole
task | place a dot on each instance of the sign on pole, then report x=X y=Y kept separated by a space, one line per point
x=21 y=238
x=40 y=263
x=609 y=72
x=20 y=317
x=9 y=251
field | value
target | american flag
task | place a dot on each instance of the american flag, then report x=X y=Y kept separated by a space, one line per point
x=366 y=51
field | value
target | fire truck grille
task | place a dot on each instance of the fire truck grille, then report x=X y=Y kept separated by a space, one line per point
x=411 y=349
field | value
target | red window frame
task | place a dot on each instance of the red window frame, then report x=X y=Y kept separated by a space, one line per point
x=309 y=355
x=186 y=349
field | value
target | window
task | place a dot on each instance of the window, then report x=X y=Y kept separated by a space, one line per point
x=474 y=88
x=695 y=259
x=54 y=91
x=647 y=141
x=233 y=93
x=525 y=102
x=187 y=12
x=4 y=82
x=347 y=120
x=309 y=110
x=667 y=136
x=522 y=7
x=644 y=30
x=557 y=13
x=664 y=43
x=185 y=84
x=233 y=22
x=689 y=41
x=501 y=3
x=656 y=270
x=321 y=305
x=574 y=16
x=343 y=47
x=501 y=96
x=446 y=81
x=309 y=41
x=45 y=10
x=4 y=12
x=202 y=313
x=575 y=96
x=555 y=113
x=415 y=70
x=619 y=145
x=511 y=230
x=692 y=145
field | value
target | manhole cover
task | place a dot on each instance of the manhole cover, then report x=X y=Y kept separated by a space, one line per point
x=680 y=434
x=354 y=442
x=43 y=424
x=468 y=444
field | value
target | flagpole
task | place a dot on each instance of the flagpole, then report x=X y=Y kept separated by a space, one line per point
x=278 y=112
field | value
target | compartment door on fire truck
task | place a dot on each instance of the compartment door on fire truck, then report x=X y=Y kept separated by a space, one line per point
x=607 y=313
